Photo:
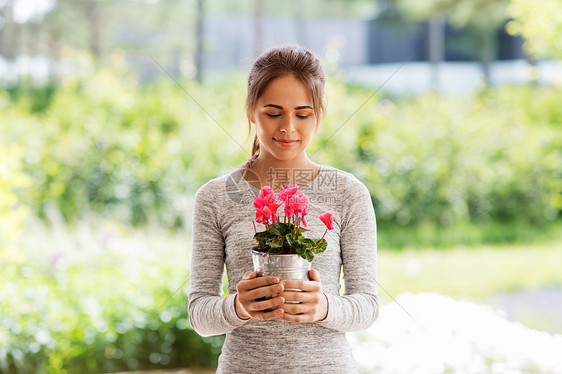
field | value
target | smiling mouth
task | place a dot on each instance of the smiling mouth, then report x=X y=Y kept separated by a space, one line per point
x=285 y=143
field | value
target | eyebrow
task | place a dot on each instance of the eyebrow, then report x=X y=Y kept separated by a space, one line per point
x=280 y=107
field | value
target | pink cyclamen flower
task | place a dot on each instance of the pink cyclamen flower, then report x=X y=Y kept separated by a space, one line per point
x=266 y=191
x=287 y=192
x=299 y=203
x=266 y=206
x=328 y=219
x=296 y=202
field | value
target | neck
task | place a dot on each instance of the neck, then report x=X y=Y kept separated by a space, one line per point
x=280 y=173
x=265 y=161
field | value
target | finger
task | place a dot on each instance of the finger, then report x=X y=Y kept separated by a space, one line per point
x=302 y=285
x=299 y=308
x=257 y=282
x=249 y=275
x=302 y=297
x=299 y=318
x=261 y=306
x=294 y=284
x=264 y=291
x=314 y=275
x=277 y=313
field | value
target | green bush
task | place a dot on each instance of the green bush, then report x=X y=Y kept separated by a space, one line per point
x=447 y=160
x=108 y=144
x=122 y=150
x=98 y=314
x=12 y=181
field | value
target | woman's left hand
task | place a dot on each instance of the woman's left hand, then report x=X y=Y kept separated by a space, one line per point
x=313 y=304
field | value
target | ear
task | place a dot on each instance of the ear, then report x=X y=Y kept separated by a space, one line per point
x=317 y=128
x=251 y=118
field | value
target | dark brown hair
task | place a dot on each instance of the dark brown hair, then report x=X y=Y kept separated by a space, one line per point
x=278 y=62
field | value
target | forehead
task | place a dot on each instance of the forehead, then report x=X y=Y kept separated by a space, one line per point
x=287 y=89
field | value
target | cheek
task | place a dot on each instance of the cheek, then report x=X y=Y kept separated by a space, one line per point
x=262 y=121
x=262 y=131
x=309 y=128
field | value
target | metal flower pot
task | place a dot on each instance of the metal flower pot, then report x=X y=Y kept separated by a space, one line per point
x=285 y=266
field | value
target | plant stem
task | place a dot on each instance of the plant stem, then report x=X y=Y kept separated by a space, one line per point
x=316 y=246
x=296 y=227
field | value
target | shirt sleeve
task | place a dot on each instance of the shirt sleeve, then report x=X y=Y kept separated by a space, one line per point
x=358 y=307
x=209 y=312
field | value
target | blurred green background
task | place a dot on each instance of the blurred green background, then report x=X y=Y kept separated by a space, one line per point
x=100 y=161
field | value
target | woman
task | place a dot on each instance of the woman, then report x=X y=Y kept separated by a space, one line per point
x=285 y=103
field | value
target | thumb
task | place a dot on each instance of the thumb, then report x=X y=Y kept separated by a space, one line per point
x=249 y=275
x=313 y=275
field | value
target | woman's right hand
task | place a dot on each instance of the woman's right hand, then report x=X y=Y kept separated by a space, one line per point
x=251 y=288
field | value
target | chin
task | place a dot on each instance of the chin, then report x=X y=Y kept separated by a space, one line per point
x=286 y=156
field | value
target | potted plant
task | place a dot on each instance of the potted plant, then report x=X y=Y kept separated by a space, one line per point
x=281 y=248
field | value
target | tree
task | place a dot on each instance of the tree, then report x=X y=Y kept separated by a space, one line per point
x=258 y=27
x=9 y=34
x=540 y=24
x=199 y=35
x=483 y=17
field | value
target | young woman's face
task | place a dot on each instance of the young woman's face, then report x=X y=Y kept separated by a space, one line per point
x=284 y=118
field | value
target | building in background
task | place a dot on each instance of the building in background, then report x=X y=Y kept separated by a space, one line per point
x=369 y=49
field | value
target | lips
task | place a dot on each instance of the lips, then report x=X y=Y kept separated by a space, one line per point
x=286 y=142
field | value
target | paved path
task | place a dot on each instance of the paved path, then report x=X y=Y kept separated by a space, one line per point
x=538 y=309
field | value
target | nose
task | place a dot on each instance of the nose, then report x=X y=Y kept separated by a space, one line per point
x=287 y=126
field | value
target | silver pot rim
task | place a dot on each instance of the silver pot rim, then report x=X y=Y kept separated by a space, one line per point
x=275 y=254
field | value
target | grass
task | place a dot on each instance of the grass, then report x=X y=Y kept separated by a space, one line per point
x=430 y=235
x=522 y=273
x=475 y=272
x=472 y=273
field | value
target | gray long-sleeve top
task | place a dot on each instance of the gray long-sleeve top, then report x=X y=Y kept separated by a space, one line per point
x=223 y=235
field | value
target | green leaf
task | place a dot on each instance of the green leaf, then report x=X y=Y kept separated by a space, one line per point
x=322 y=245
x=299 y=244
x=309 y=242
x=263 y=235
x=277 y=242
x=302 y=229
x=300 y=251
x=278 y=228
x=289 y=239
x=262 y=238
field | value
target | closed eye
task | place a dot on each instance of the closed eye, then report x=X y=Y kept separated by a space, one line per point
x=273 y=115
x=302 y=117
